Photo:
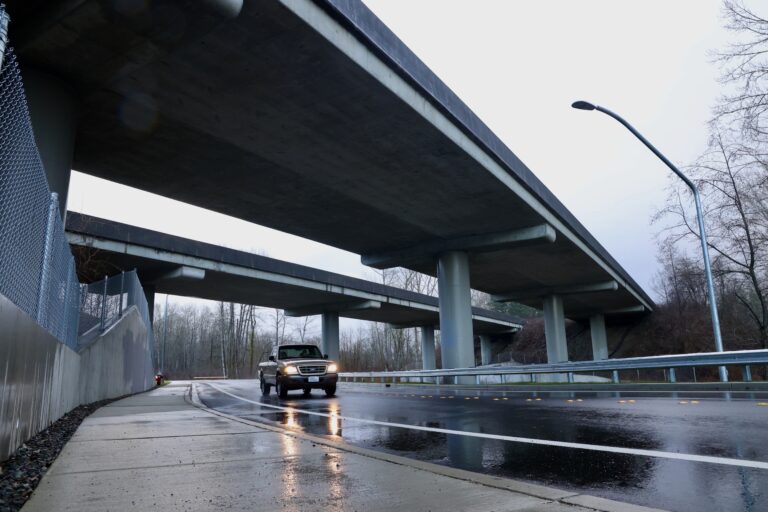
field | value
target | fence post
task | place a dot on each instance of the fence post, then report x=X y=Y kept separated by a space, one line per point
x=104 y=304
x=747 y=374
x=122 y=283
x=68 y=298
x=4 y=20
x=45 y=273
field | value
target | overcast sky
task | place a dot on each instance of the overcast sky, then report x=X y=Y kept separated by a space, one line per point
x=519 y=65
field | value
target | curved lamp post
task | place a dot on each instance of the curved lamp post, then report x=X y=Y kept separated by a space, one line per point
x=583 y=105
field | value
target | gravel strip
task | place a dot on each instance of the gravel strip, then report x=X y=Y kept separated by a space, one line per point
x=20 y=474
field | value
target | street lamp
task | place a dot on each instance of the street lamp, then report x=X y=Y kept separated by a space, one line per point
x=584 y=105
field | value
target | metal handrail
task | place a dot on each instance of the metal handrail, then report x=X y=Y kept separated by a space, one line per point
x=731 y=358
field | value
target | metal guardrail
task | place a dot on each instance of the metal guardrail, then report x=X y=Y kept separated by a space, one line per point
x=744 y=358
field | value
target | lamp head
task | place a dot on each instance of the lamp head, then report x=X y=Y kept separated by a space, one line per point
x=583 y=105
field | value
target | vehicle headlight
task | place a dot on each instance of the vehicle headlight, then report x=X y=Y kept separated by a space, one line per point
x=291 y=370
x=332 y=368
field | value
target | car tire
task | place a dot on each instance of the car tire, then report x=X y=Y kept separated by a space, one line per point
x=330 y=390
x=307 y=391
x=281 y=391
x=265 y=388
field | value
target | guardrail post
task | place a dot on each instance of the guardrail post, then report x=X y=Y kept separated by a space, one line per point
x=570 y=377
x=45 y=271
x=122 y=283
x=616 y=377
x=747 y=374
x=477 y=380
x=104 y=304
x=694 y=374
x=672 y=376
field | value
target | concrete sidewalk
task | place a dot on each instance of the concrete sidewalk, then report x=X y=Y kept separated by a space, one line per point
x=157 y=451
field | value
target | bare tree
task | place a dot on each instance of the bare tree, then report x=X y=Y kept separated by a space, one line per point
x=745 y=71
x=279 y=322
x=732 y=181
x=304 y=324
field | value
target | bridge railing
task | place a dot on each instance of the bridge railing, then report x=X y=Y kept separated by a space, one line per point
x=668 y=363
x=37 y=270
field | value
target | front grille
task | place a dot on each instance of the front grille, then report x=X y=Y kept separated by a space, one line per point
x=312 y=370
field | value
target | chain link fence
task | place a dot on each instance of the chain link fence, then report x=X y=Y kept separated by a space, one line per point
x=105 y=301
x=37 y=270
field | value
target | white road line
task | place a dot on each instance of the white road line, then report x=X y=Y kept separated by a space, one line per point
x=581 y=446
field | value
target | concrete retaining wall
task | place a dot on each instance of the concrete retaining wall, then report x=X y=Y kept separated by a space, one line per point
x=118 y=362
x=41 y=379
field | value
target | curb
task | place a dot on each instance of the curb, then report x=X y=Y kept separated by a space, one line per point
x=535 y=490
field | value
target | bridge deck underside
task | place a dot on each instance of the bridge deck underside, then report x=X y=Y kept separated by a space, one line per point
x=262 y=118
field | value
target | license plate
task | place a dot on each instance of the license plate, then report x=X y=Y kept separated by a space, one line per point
x=314 y=379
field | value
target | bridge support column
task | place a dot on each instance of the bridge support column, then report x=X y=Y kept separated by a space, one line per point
x=599 y=337
x=53 y=115
x=554 y=329
x=457 y=341
x=485 y=350
x=455 y=310
x=428 y=348
x=330 y=335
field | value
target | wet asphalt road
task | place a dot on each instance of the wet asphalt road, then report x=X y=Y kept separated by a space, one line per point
x=710 y=424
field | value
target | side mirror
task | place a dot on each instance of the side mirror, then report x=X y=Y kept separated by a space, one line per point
x=325 y=356
x=272 y=358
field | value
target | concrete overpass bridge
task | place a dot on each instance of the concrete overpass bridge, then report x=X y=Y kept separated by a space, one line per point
x=179 y=266
x=312 y=117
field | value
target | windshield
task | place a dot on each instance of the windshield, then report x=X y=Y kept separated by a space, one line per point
x=299 y=351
